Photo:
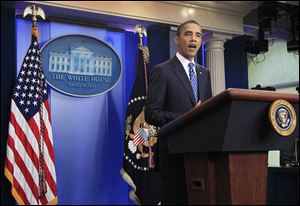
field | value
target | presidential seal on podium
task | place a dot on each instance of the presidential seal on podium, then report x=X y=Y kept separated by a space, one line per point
x=282 y=117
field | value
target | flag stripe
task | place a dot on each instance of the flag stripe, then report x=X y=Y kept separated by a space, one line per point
x=24 y=125
x=24 y=186
x=51 y=180
x=20 y=195
x=27 y=169
x=49 y=156
x=47 y=119
x=20 y=192
x=34 y=124
x=22 y=159
x=8 y=164
x=43 y=200
x=49 y=195
x=10 y=157
x=50 y=169
x=19 y=178
x=17 y=134
x=138 y=139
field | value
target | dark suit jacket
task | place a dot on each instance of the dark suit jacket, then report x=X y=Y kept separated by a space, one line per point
x=170 y=94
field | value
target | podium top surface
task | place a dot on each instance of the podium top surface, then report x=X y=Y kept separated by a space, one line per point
x=231 y=94
x=241 y=95
x=258 y=95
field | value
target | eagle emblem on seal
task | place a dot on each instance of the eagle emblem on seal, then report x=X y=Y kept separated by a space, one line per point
x=142 y=137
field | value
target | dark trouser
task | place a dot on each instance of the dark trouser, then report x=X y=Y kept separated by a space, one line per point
x=173 y=191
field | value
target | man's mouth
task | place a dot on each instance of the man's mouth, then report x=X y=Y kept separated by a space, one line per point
x=192 y=46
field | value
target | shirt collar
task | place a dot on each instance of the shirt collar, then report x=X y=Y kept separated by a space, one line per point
x=185 y=62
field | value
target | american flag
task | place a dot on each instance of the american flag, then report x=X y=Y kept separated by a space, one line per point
x=140 y=137
x=30 y=165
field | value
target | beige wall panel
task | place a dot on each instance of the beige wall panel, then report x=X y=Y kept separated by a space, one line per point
x=163 y=12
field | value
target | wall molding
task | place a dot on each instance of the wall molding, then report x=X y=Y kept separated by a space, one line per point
x=218 y=18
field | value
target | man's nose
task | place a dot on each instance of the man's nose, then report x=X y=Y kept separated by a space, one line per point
x=194 y=37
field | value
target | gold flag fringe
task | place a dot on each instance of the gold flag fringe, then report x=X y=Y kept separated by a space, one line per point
x=129 y=181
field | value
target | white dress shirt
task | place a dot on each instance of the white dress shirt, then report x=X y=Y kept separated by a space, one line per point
x=185 y=63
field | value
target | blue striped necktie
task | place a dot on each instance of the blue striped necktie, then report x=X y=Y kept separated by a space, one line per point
x=193 y=80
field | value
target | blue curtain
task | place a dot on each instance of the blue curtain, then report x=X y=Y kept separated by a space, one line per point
x=159 y=45
x=87 y=132
x=8 y=78
x=236 y=66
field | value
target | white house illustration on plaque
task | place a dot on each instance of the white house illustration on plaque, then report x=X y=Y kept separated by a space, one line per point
x=80 y=60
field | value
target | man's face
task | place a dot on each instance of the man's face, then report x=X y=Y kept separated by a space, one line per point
x=189 y=40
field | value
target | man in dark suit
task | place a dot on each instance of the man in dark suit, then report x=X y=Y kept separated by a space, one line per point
x=175 y=87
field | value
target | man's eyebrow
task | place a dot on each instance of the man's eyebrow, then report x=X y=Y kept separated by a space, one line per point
x=189 y=31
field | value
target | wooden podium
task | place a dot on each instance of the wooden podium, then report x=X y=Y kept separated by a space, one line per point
x=225 y=142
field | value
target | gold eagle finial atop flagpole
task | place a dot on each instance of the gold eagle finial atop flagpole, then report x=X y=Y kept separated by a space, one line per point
x=142 y=31
x=34 y=11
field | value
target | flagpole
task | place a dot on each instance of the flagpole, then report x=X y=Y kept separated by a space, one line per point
x=35 y=12
x=142 y=31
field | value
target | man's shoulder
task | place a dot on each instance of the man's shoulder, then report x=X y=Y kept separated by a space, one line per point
x=166 y=64
x=202 y=68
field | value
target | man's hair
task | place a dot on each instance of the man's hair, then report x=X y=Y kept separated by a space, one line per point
x=179 y=29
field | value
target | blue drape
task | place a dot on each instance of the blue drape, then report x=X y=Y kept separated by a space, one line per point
x=8 y=78
x=88 y=132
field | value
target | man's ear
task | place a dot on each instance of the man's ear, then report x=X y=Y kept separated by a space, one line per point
x=176 y=40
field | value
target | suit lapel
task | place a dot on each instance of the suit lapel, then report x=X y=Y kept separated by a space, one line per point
x=201 y=85
x=180 y=73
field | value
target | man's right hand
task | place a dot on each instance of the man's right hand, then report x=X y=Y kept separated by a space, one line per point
x=198 y=103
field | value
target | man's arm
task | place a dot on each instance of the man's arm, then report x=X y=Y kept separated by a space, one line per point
x=154 y=107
